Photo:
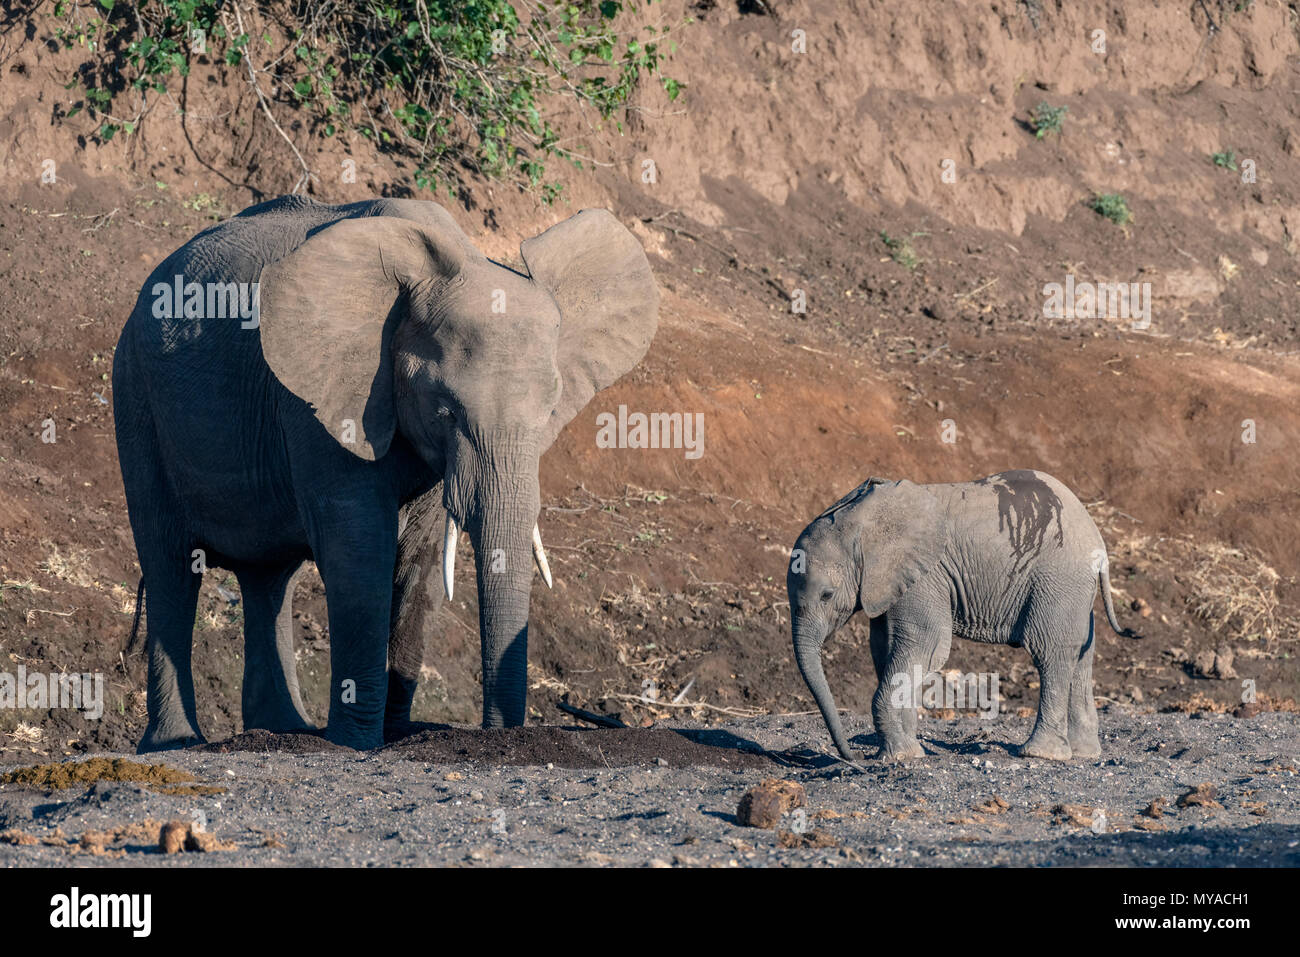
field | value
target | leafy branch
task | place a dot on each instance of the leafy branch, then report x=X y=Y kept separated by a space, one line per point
x=459 y=86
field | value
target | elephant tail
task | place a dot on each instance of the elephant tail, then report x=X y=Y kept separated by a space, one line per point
x=135 y=623
x=1104 y=577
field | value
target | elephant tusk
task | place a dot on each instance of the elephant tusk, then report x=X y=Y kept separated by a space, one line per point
x=449 y=539
x=539 y=556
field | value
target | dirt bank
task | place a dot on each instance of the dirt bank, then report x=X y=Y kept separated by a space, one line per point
x=778 y=173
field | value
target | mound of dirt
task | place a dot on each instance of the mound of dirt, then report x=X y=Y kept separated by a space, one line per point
x=270 y=741
x=565 y=747
x=580 y=748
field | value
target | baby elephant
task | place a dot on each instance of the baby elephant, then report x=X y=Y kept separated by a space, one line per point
x=1013 y=559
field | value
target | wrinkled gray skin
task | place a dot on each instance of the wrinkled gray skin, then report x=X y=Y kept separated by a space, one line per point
x=1011 y=559
x=456 y=374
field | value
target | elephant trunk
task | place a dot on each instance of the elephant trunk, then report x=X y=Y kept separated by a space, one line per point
x=808 y=639
x=501 y=519
x=503 y=554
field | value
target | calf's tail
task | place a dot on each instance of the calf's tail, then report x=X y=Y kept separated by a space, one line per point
x=1104 y=577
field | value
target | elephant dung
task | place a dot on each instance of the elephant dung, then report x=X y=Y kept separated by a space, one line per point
x=762 y=806
x=178 y=836
x=206 y=841
x=171 y=840
x=1080 y=815
x=1215 y=664
x=1155 y=809
x=1203 y=795
x=814 y=838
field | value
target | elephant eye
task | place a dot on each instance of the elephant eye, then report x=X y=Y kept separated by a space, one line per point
x=444 y=412
x=827 y=595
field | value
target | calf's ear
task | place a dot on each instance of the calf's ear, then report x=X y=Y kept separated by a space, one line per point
x=900 y=536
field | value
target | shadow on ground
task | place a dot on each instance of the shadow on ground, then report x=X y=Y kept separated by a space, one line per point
x=565 y=747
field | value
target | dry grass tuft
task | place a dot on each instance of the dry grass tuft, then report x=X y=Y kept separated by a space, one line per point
x=27 y=733
x=72 y=567
x=1232 y=590
x=1235 y=592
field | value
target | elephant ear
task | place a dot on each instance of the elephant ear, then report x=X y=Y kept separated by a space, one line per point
x=328 y=310
x=853 y=498
x=598 y=275
x=901 y=537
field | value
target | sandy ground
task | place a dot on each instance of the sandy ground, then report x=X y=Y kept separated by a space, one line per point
x=971 y=801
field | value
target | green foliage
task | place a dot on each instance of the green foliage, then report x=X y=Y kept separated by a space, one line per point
x=1046 y=119
x=136 y=45
x=1226 y=159
x=1113 y=206
x=900 y=250
x=455 y=85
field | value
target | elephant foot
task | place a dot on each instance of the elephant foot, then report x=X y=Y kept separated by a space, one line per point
x=397 y=708
x=279 y=723
x=397 y=729
x=1052 y=747
x=357 y=739
x=156 y=739
x=1085 y=745
x=850 y=755
x=900 y=752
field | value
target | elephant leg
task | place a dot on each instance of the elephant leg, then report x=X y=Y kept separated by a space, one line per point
x=879 y=645
x=1055 y=660
x=417 y=597
x=1082 y=721
x=271 y=699
x=171 y=587
x=913 y=636
x=895 y=722
x=356 y=549
x=171 y=599
x=941 y=648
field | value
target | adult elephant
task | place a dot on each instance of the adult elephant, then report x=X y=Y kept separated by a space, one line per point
x=392 y=379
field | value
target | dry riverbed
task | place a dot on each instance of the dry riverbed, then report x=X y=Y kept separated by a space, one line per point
x=1170 y=790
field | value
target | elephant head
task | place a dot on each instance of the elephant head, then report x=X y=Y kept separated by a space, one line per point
x=398 y=327
x=861 y=554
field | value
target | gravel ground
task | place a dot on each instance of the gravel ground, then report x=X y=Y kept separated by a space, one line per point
x=970 y=801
